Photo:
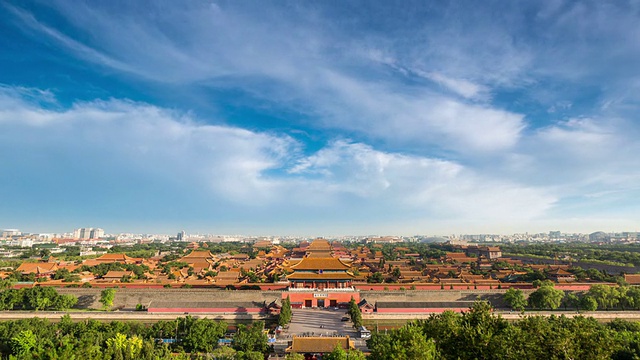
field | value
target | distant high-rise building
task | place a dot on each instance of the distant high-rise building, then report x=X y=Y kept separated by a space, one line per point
x=88 y=233
x=96 y=233
x=10 y=232
x=181 y=235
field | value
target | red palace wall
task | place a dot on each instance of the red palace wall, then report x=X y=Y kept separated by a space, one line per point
x=341 y=298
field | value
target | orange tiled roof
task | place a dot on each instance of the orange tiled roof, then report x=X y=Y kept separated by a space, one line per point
x=37 y=268
x=227 y=275
x=112 y=274
x=560 y=272
x=312 y=344
x=323 y=276
x=262 y=244
x=197 y=254
x=319 y=244
x=633 y=279
x=329 y=263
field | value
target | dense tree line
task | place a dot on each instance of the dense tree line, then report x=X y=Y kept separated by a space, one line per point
x=102 y=269
x=614 y=254
x=599 y=296
x=479 y=334
x=35 y=298
x=40 y=339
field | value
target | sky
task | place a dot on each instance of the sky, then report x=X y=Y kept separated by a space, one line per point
x=320 y=118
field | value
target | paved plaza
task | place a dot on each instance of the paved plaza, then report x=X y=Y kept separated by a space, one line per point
x=320 y=322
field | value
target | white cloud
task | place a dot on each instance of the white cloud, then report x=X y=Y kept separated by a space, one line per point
x=437 y=188
x=238 y=170
x=461 y=87
x=590 y=163
x=419 y=117
x=227 y=161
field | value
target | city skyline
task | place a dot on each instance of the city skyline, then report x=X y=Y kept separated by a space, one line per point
x=297 y=118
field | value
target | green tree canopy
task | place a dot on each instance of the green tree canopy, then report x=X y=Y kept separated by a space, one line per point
x=546 y=297
x=107 y=296
x=515 y=299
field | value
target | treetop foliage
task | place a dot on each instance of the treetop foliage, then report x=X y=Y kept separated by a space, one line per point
x=479 y=334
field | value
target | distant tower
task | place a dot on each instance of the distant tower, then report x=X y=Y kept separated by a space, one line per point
x=96 y=233
x=88 y=233
x=181 y=236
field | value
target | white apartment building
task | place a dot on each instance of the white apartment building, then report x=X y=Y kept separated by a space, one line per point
x=88 y=233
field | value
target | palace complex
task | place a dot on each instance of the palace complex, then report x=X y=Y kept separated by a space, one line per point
x=319 y=279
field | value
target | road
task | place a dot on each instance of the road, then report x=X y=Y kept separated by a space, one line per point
x=509 y=315
x=119 y=316
x=303 y=321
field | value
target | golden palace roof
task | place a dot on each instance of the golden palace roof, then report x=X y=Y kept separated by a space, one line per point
x=327 y=263
x=319 y=244
x=322 y=276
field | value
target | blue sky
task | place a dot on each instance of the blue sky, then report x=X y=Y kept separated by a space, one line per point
x=320 y=118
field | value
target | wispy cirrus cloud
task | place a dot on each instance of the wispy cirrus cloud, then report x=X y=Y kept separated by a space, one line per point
x=233 y=47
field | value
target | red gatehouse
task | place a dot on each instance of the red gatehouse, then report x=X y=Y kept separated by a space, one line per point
x=319 y=279
x=321 y=299
x=320 y=273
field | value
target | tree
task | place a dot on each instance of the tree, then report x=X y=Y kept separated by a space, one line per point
x=355 y=313
x=251 y=338
x=285 y=313
x=572 y=300
x=225 y=353
x=294 y=356
x=515 y=299
x=634 y=297
x=339 y=353
x=249 y=355
x=64 y=302
x=376 y=277
x=23 y=342
x=6 y=284
x=405 y=343
x=106 y=297
x=45 y=253
x=38 y=298
x=588 y=303
x=128 y=348
x=546 y=297
x=203 y=335
x=605 y=295
x=61 y=274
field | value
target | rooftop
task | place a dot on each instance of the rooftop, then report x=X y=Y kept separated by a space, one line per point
x=317 y=344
